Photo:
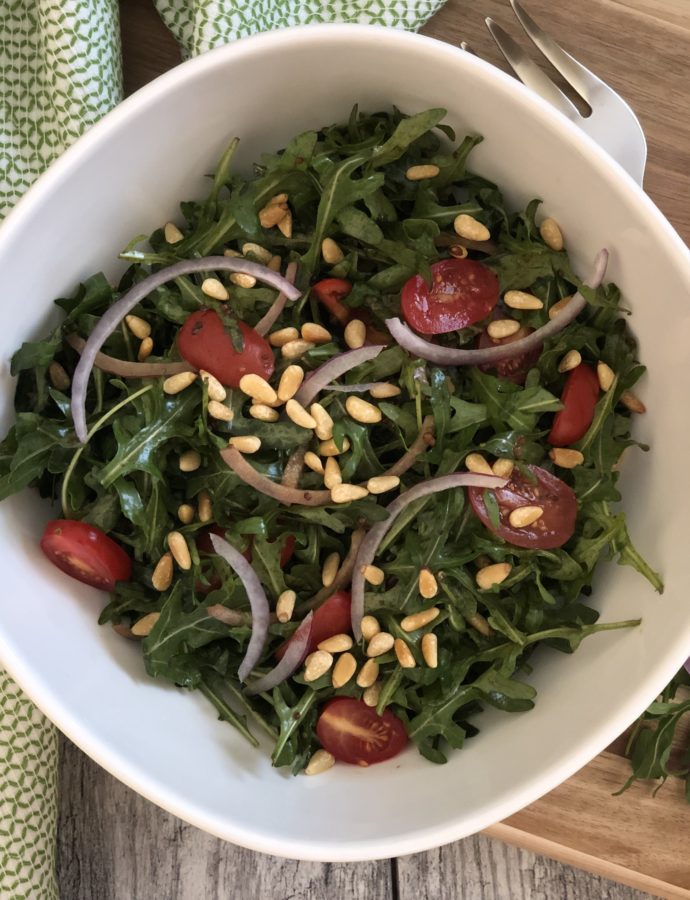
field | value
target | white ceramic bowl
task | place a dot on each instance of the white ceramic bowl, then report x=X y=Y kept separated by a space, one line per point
x=126 y=177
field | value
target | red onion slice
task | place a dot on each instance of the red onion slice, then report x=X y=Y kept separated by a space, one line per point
x=447 y=356
x=370 y=544
x=114 y=315
x=315 y=382
x=291 y=660
x=257 y=600
x=264 y=325
x=127 y=369
x=356 y=388
x=287 y=495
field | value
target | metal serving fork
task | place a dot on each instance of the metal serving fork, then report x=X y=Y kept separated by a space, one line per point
x=612 y=123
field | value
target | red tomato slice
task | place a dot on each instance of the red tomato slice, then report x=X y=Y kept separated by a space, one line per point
x=463 y=291
x=515 y=368
x=287 y=551
x=579 y=397
x=332 y=617
x=329 y=292
x=204 y=344
x=86 y=553
x=537 y=488
x=354 y=732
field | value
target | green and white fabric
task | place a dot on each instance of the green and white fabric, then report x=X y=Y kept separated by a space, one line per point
x=60 y=71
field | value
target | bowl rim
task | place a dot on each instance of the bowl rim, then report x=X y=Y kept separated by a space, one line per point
x=40 y=692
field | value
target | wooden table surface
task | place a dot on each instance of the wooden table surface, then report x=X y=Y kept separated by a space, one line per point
x=113 y=844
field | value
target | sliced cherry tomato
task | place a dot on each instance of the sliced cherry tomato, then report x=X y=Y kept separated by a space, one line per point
x=330 y=292
x=86 y=553
x=287 y=551
x=355 y=733
x=463 y=291
x=515 y=368
x=204 y=343
x=536 y=487
x=332 y=617
x=579 y=397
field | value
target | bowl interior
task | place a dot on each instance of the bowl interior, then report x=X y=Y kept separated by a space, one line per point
x=127 y=177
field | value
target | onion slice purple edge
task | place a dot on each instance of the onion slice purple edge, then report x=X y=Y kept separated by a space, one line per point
x=275 y=309
x=116 y=313
x=292 y=658
x=370 y=544
x=257 y=600
x=448 y=356
x=334 y=368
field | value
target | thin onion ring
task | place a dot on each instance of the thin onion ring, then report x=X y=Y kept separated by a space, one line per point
x=266 y=322
x=127 y=369
x=295 y=652
x=317 y=380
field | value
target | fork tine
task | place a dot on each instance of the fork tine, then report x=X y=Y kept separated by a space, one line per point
x=579 y=77
x=529 y=72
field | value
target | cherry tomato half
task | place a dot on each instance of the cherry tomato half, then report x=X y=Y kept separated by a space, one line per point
x=332 y=617
x=536 y=487
x=86 y=553
x=355 y=733
x=579 y=397
x=204 y=344
x=329 y=292
x=515 y=368
x=463 y=291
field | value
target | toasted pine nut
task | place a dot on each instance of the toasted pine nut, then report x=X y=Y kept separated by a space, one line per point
x=205 y=507
x=185 y=513
x=233 y=254
x=502 y=328
x=346 y=493
x=263 y=413
x=373 y=575
x=176 y=383
x=404 y=654
x=355 y=334
x=468 y=227
x=161 y=579
x=503 y=468
x=380 y=484
x=214 y=289
x=525 y=515
x=172 y=233
x=370 y=626
x=475 y=462
x=362 y=411
x=332 y=474
x=632 y=402
x=58 y=376
x=144 y=626
x=220 y=411
x=317 y=334
x=145 y=349
x=285 y=224
x=606 y=376
x=522 y=300
x=551 y=234
x=290 y=382
x=330 y=569
x=324 y=423
x=245 y=443
x=338 y=643
x=420 y=619
x=571 y=360
x=313 y=462
x=295 y=349
x=179 y=549
x=559 y=306
x=330 y=448
x=299 y=415
x=214 y=388
x=283 y=336
x=383 y=390
x=261 y=254
x=343 y=670
x=420 y=173
x=190 y=461
x=139 y=327
x=285 y=606
x=258 y=389
x=371 y=694
x=458 y=251
x=380 y=643
x=321 y=761
x=275 y=263
x=317 y=664
x=271 y=214
x=331 y=252
x=430 y=650
x=368 y=673
x=488 y=576
x=243 y=280
x=280 y=199
x=566 y=458
x=428 y=586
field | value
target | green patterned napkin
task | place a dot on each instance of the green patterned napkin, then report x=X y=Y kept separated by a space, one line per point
x=60 y=71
